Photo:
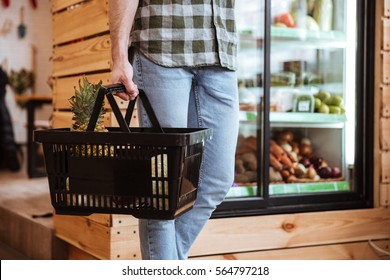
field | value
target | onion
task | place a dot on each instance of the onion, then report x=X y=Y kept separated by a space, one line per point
x=287 y=147
x=311 y=173
x=305 y=150
x=286 y=135
x=306 y=141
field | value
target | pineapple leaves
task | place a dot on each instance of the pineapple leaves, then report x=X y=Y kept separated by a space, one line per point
x=82 y=104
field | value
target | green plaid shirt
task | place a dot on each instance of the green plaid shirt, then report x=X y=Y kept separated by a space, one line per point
x=177 y=33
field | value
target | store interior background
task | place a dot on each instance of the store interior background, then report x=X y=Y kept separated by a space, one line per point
x=33 y=53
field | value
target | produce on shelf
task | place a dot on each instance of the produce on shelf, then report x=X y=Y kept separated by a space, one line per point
x=283 y=79
x=284 y=20
x=310 y=14
x=295 y=66
x=310 y=4
x=323 y=14
x=303 y=164
x=311 y=24
x=246 y=160
x=303 y=102
x=307 y=4
x=302 y=76
x=291 y=161
x=326 y=103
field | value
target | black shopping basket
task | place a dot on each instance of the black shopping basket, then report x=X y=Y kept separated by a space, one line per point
x=150 y=173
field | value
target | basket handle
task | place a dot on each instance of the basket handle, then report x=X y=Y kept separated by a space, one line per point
x=124 y=123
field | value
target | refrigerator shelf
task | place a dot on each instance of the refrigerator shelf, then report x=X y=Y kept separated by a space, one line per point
x=284 y=38
x=294 y=188
x=293 y=118
x=314 y=35
x=307 y=118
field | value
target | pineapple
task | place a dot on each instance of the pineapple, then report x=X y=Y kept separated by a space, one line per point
x=82 y=103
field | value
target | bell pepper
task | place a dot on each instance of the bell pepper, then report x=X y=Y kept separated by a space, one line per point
x=285 y=18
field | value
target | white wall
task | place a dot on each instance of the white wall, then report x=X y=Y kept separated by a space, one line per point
x=16 y=53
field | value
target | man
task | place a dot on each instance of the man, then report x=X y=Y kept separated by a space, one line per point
x=184 y=60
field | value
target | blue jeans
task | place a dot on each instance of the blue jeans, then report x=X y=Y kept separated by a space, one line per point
x=190 y=97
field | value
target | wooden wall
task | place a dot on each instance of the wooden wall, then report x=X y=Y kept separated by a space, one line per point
x=383 y=82
x=350 y=234
x=81 y=46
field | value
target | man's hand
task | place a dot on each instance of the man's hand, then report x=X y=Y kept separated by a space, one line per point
x=124 y=74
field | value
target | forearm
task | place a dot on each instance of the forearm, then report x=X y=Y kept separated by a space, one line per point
x=121 y=17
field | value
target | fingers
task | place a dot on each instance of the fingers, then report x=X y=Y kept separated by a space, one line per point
x=131 y=88
x=131 y=91
x=123 y=96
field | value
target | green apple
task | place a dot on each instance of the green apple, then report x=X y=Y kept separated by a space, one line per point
x=334 y=109
x=317 y=103
x=323 y=95
x=342 y=109
x=335 y=100
x=323 y=109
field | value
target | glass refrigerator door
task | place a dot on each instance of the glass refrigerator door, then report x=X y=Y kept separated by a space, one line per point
x=312 y=96
x=298 y=100
x=250 y=29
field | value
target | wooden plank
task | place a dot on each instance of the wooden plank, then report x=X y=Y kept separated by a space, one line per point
x=386 y=10
x=61 y=119
x=27 y=236
x=385 y=100
x=98 y=240
x=291 y=230
x=133 y=121
x=84 y=234
x=57 y=5
x=385 y=67
x=347 y=251
x=384 y=195
x=92 y=16
x=82 y=57
x=242 y=234
x=9 y=253
x=385 y=133
x=385 y=167
x=63 y=89
x=114 y=220
x=386 y=34
x=125 y=243
x=378 y=76
x=75 y=253
x=103 y=219
x=123 y=220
